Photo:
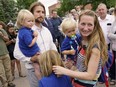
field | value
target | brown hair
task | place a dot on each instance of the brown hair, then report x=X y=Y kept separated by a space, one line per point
x=33 y=5
x=96 y=37
x=10 y=26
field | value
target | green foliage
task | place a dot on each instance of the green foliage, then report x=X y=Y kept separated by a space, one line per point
x=9 y=8
x=67 y=5
x=24 y=4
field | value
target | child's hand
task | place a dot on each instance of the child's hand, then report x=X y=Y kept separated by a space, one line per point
x=72 y=52
x=74 y=68
x=35 y=58
x=35 y=33
x=69 y=63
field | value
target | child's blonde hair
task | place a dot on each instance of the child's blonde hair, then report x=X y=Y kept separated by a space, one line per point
x=22 y=15
x=68 y=23
x=47 y=60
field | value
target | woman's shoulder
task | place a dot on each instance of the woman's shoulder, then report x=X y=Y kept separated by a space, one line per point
x=96 y=49
x=96 y=45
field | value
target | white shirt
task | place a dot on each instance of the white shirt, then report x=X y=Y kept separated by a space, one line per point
x=44 y=41
x=105 y=27
x=112 y=36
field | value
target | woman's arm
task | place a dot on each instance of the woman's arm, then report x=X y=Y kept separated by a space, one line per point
x=91 y=71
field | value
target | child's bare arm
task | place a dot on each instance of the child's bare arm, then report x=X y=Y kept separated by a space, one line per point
x=71 y=52
x=35 y=34
x=33 y=41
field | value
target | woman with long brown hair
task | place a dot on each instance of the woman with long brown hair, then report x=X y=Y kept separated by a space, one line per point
x=92 y=52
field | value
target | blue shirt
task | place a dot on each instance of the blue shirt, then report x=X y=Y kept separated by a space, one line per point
x=70 y=43
x=25 y=38
x=56 y=23
x=54 y=81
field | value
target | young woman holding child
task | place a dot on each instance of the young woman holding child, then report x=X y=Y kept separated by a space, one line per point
x=92 y=52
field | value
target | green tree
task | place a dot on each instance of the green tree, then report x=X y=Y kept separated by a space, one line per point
x=24 y=4
x=7 y=10
x=10 y=8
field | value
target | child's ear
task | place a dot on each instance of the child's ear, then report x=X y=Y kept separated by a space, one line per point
x=22 y=22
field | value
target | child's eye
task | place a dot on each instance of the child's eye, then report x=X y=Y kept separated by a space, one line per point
x=83 y=24
x=73 y=30
x=89 y=25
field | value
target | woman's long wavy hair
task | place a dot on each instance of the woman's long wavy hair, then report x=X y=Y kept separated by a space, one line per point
x=96 y=37
x=47 y=60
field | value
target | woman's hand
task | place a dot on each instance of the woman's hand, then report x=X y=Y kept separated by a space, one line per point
x=59 y=70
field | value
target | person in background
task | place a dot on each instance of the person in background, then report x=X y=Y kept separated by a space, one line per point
x=92 y=52
x=56 y=21
x=112 y=37
x=105 y=21
x=78 y=9
x=44 y=41
x=47 y=23
x=49 y=79
x=2 y=25
x=74 y=16
x=10 y=46
x=73 y=13
x=5 y=63
x=70 y=44
x=111 y=11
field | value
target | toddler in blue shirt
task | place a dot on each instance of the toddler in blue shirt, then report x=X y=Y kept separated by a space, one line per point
x=27 y=37
x=71 y=42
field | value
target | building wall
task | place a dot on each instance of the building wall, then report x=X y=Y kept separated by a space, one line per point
x=53 y=7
